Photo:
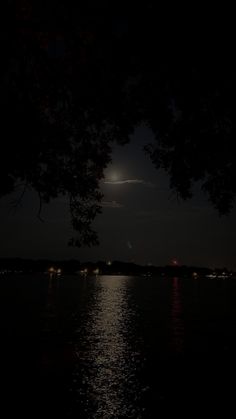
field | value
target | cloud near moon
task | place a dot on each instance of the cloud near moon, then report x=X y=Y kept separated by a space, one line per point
x=130 y=181
x=111 y=204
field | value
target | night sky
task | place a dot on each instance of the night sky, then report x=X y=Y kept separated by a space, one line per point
x=142 y=221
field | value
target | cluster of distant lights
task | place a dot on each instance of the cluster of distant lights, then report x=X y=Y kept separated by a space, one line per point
x=222 y=275
x=54 y=271
x=58 y=271
x=95 y=271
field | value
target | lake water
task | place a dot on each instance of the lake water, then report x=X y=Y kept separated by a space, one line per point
x=117 y=346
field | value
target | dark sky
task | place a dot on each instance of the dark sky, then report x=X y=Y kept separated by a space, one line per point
x=141 y=221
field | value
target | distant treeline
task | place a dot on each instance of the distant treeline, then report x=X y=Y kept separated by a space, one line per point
x=18 y=265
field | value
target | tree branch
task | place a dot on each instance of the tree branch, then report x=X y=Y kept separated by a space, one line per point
x=17 y=202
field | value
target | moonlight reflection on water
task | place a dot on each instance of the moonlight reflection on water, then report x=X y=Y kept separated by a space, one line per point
x=110 y=359
x=117 y=347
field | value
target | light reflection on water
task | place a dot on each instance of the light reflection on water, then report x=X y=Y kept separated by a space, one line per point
x=176 y=317
x=76 y=346
x=109 y=357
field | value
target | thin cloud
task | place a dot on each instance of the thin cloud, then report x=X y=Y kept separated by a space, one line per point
x=111 y=204
x=130 y=181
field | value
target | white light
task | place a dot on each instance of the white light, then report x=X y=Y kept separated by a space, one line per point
x=114 y=177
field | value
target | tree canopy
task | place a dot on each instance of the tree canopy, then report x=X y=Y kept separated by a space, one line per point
x=77 y=79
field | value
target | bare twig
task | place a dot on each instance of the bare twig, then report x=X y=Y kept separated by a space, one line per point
x=17 y=202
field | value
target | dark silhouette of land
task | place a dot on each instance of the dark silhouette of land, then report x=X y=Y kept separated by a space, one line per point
x=73 y=266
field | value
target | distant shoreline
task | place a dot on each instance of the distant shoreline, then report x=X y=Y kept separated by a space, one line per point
x=20 y=265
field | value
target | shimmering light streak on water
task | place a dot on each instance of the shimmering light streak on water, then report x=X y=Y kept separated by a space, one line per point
x=110 y=359
x=117 y=347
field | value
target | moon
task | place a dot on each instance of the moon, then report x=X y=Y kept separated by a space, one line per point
x=114 y=177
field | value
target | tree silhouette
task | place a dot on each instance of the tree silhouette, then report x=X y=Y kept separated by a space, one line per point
x=77 y=79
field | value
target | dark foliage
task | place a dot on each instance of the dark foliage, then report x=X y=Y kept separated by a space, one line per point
x=76 y=79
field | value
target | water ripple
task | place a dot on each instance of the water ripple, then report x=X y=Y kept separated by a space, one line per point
x=108 y=358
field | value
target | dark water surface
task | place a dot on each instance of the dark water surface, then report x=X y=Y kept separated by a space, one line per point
x=117 y=347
